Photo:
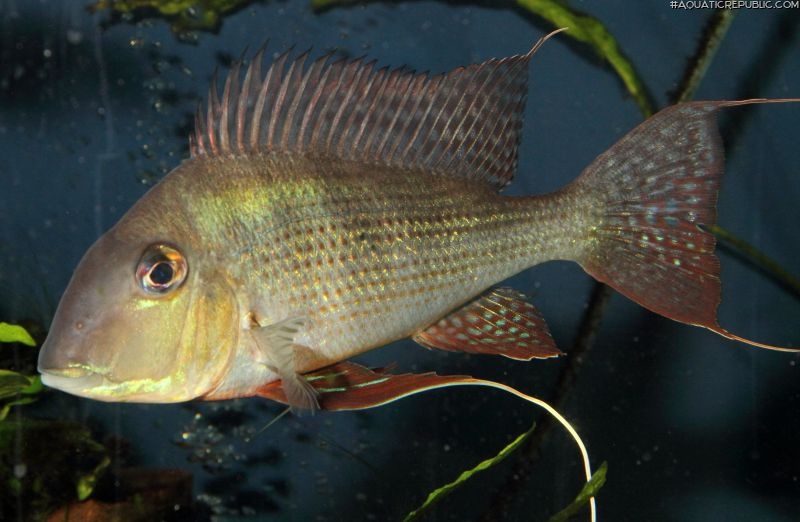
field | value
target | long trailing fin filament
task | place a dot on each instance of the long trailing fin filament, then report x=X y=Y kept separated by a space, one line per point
x=587 y=467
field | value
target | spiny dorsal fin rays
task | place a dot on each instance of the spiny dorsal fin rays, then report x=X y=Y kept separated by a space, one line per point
x=379 y=89
x=315 y=76
x=241 y=108
x=284 y=113
x=229 y=95
x=342 y=72
x=267 y=87
x=466 y=122
x=211 y=117
x=353 y=73
x=403 y=91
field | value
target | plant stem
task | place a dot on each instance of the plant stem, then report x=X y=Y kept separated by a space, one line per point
x=714 y=33
x=761 y=261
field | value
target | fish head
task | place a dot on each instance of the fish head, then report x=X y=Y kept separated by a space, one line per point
x=142 y=320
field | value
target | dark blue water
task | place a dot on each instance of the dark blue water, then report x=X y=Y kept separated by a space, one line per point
x=693 y=427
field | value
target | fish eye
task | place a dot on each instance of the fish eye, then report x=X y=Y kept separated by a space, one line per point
x=161 y=269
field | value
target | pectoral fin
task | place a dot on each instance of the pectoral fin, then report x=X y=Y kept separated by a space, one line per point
x=277 y=347
x=500 y=322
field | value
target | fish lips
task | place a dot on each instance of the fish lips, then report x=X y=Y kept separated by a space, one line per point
x=76 y=381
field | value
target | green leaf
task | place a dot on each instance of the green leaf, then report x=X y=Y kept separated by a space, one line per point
x=86 y=483
x=441 y=492
x=589 y=490
x=15 y=486
x=12 y=383
x=185 y=15
x=34 y=387
x=13 y=333
x=590 y=30
x=6 y=408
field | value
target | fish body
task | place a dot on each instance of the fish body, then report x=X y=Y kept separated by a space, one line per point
x=330 y=210
x=361 y=253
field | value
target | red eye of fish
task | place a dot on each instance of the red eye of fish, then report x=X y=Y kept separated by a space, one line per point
x=161 y=269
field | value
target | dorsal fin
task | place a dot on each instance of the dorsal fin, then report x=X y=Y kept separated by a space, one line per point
x=466 y=122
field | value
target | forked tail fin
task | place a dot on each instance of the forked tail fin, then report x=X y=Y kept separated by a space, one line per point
x=657 y=185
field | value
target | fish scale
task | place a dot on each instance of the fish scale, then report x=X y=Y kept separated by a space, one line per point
x=368 y=247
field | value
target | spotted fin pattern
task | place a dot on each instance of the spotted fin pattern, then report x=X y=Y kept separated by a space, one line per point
x=501 y=322
x=466 y=122
x=658 y=186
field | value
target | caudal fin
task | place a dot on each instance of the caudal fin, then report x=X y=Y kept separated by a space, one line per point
x=658 y=185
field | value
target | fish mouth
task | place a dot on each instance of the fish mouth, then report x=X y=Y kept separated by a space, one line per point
x=75 y=380
x=91 y=384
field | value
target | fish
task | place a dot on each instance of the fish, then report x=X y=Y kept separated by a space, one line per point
x=330 y=208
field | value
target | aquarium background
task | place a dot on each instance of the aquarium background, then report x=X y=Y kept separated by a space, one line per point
x=95 y=109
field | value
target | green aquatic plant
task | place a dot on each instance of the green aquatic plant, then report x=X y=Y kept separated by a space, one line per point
x=183 y=15
x=14 y=333
x=438 y=493
x=49 y=463
x=715 y=34
x=590 y=30
x=86 y=482
x=589 y=490
x=16 y=388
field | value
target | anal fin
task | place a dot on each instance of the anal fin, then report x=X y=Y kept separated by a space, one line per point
x=500 y=322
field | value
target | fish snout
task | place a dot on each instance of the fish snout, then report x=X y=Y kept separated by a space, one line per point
x=65 y=351
x=63 y=363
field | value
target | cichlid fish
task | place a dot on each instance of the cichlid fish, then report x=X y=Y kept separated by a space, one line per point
x=330 y=209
